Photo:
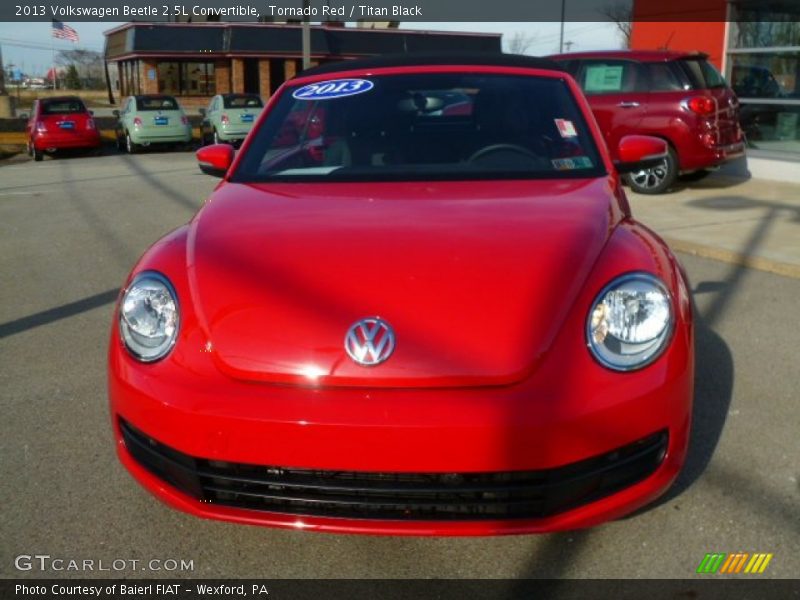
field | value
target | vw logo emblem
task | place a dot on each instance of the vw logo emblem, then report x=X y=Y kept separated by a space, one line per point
x=370 y=341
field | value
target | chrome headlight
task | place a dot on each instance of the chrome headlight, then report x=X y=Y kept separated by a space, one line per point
x=148 y=317
x=630 y=322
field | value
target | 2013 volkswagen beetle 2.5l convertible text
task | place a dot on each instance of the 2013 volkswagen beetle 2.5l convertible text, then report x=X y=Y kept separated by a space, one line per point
x=417 y=303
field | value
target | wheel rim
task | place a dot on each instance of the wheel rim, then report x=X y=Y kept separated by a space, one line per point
x=651 y=178
x=128 y=142
x=216 y=138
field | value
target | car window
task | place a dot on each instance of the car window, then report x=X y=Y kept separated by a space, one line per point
x=611 y=77
x=702 y=74
x=156 y=103
x=665 y=77
x=423 y=126
x=249 y=101
x=57 y=107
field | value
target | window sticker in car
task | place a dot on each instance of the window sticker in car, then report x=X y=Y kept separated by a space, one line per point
x=566 y=128
x=338 y=88
x=603 y=78
x=575 y=162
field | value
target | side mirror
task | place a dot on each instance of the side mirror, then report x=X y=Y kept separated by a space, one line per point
x=215 y=160
x=202 y=112
x=24 y=116
x=637 y=152
x=115 y=112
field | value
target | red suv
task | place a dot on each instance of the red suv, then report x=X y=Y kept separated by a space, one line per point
x=60 y=123
x=678 y=96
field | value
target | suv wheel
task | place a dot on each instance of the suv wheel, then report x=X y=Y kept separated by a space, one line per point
x=655 y=180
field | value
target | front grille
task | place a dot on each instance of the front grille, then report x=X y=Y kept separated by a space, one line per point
x=399 y=496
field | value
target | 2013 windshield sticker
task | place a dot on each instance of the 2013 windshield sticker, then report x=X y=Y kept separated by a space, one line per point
x=337 y=88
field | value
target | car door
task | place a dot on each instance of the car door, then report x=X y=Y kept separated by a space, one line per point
x=617 y=93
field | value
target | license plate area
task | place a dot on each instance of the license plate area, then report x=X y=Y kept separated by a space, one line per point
x=246 y=118
x=161 y=121
x=66 y=124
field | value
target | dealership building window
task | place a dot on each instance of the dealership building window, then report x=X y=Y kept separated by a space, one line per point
x=186 y=78
x=763 y=67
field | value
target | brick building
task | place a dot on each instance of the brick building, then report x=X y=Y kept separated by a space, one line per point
x=195 y=61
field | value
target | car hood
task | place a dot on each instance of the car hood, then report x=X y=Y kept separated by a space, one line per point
x=476 y=278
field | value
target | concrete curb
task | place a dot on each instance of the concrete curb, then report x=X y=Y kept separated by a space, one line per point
x=735 y=258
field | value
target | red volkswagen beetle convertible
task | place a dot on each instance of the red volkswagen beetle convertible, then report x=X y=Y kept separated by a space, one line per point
x=426 y=309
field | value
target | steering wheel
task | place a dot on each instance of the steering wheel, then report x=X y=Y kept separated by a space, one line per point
x=501 y=148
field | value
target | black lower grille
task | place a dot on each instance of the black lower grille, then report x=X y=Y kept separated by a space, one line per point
x=409 y=496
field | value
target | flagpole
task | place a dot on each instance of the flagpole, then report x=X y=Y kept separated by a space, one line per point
x=53 y=47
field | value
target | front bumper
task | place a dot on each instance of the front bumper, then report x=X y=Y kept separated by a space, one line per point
x=553 y=453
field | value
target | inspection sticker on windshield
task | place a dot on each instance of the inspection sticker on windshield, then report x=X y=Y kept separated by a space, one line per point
x=575 y=162
x=337 y=88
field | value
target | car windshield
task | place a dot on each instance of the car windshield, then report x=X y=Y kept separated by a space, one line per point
x=423 y=126
x=60 y=107
x=242 y=101
x=156 y=103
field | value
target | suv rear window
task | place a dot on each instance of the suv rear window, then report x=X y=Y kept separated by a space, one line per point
x=59 y=107
x=423 y=126
x=702 y=73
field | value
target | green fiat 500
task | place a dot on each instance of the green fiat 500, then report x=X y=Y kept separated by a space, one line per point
x=229 y=117
x=151 y=119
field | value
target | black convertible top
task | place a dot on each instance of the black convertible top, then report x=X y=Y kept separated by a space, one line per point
x=450 y=58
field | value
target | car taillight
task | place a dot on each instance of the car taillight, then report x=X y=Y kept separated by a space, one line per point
x=137 y=122
x=224 y=119
x=89 y=123
x=184 y=119
x=702 y=105
x=41 y=127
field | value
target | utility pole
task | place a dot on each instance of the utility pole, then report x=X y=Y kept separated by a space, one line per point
x=563 y=15
x=306 y=34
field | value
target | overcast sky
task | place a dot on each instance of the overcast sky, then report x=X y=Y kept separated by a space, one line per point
x=16 y=39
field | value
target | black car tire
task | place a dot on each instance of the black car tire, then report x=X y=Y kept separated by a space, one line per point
x=37 y=154
x=655 y=180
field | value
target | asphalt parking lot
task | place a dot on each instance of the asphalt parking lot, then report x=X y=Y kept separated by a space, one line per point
x=71 y=229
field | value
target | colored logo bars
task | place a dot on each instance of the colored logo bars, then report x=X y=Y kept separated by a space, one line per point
x=738 y=562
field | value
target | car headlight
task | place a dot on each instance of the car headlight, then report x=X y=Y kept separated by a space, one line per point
x=630 y=322
x=148 y=317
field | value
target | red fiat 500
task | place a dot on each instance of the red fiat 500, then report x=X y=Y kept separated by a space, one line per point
x=677 y=96
x=59 y=124
x=410 y=320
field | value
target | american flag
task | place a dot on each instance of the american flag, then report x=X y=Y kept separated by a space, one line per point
x=64 y=32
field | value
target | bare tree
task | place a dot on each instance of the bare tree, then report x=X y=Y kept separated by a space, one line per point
x=519 y=42
x=88 y=65
x=621 y=14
